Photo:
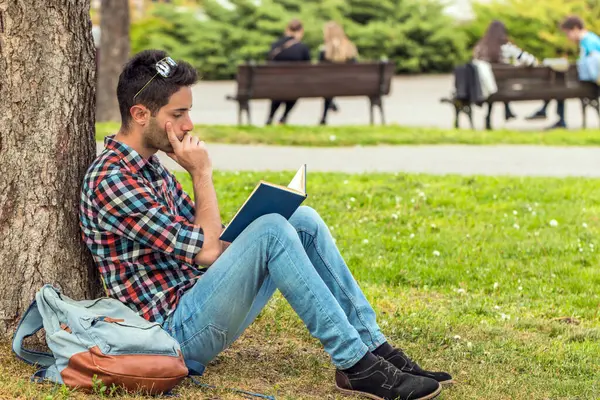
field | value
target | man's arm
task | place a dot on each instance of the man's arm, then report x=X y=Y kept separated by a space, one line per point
x=207 y=217
x=192 y=154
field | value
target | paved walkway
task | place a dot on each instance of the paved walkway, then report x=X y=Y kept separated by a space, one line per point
x=414 y=101
x=459 y=159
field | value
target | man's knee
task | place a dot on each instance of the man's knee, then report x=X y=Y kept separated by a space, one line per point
x=271 y=223
x=306 y=218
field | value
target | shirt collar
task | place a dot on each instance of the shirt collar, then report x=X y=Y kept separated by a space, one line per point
x=129 y=157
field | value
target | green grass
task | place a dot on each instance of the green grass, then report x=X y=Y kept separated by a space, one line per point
x=466 y=273
x=377 y=135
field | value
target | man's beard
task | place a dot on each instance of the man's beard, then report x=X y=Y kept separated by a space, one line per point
x=156 y=137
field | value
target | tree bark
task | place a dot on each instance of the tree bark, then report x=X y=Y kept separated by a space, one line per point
x=114 y=52
x=47 y=81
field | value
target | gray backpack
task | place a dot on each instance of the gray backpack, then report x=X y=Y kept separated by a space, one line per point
x=102 y=338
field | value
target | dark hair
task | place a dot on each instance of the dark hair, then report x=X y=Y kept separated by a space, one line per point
x=489 y=46
x=294 y=25
x=572 y=22
x=138 y=71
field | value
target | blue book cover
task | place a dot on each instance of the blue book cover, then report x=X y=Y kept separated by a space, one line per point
x=268 y=198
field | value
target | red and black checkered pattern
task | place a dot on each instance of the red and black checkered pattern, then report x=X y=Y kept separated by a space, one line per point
x=138 y=223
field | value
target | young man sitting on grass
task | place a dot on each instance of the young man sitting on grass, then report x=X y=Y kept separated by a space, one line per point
x=159 y=252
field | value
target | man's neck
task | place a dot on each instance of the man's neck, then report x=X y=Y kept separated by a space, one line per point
x=135 y=142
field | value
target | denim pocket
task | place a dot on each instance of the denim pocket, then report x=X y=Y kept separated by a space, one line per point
x=205 y=345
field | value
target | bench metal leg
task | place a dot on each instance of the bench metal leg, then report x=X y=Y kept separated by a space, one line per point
x=584 y=104
x=488 y=117
x=243 y=106
x=457 y=109
x=376 y=102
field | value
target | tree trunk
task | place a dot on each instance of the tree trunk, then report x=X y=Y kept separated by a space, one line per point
x=114 y=52
x=47 y=80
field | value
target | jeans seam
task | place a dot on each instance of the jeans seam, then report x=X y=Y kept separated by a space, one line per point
x=335 y=276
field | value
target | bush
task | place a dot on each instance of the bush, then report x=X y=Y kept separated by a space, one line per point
x=534 y=25
x=415 y=34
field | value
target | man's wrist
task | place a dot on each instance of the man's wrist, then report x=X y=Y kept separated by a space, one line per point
x=202 y=176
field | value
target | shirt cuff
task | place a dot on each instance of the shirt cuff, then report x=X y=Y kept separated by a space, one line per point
x=189 y=242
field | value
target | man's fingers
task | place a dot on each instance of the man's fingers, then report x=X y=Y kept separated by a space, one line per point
x=175 y=143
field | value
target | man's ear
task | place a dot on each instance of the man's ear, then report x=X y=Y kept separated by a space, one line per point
x=140 y=114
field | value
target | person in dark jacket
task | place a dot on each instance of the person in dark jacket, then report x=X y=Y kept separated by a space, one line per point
x=288 y=48
x=337 y=48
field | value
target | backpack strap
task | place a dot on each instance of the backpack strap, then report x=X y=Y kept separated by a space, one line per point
x=30 y=324
x=275 y=52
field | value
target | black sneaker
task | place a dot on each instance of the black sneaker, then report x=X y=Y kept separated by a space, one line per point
x=405 y=364
x=558 y=125
x=540 y=114
x=383 y=381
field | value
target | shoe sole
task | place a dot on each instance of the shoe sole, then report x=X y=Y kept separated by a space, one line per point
x=372 y=396
x=448 y=383
x=535 y=118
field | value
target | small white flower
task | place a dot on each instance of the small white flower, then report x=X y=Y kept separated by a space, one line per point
x=515 y=212
x=591 y=245
x=421 y=194
x=496 y=307
x=412 y=200
x=395 y=216
x=529 y=209
x=412 y=235
x=580 y=250
x=436 y=253
x=461 y=291
x=520 y=287
x=583 y=209
x=505 y=317
x=534 y=213
x=516 y=226
x=332 y=138
x=554 y=223
x=496 y=284
x=345 y=182
x=553 y=276
x=537 y=234
x=469 y=345
x=348 y=207
x=365 y=241
x=468 y=236
x=457 y=337
x=352 y=199
x=495 y=197
x=433 y=226
x=380 y=257
x=584 y=225
x=505 y=215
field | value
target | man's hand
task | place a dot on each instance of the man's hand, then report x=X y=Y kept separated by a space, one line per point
x=191 y=153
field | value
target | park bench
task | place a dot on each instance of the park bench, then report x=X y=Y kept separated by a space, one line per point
x=294 y=80
x=531 y=83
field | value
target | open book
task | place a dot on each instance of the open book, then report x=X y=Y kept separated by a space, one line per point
x=268 y=198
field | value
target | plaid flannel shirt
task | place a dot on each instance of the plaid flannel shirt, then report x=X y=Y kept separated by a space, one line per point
x=138 y=223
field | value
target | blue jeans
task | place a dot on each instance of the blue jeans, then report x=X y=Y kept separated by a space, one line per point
x=298 y=257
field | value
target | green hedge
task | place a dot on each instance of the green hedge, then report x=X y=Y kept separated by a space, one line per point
x=416 y=34
x=534 y=24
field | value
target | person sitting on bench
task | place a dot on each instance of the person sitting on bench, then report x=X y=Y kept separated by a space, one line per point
x=288 y=48
x=589 y=42
x=495 y=48
x=337 y=48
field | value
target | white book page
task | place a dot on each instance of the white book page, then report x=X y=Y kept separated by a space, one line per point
x=299 y=181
